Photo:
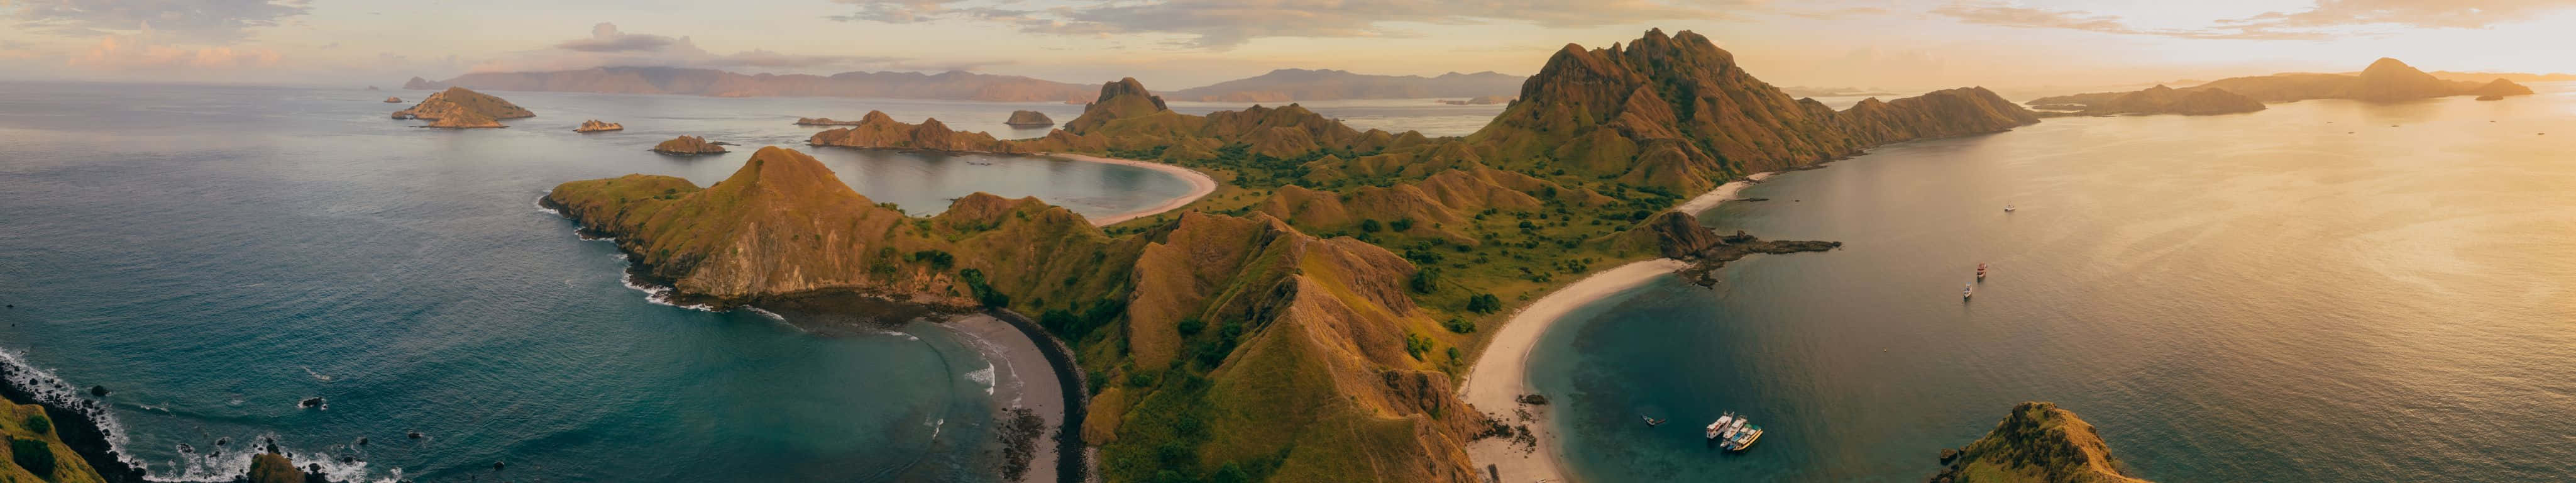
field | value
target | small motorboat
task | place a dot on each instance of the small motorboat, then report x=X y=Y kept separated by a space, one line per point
x=1966 y=291
x=1652 y=422
x=1981 y=271
x=2008 y=208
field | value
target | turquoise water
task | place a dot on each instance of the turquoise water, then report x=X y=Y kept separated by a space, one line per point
x=2300 y=294
x=215 y=254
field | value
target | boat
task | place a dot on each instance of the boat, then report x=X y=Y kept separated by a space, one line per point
x=1966 y=291
x=1714 y=429
x=1981 y=271
x=2007 y=208
x=1745 y=439
x=1652 y=422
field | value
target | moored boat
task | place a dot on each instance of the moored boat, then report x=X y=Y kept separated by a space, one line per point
x=1744 y=439
x=1716 y=429
x=1966 y=291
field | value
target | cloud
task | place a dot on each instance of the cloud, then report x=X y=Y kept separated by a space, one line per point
x=609 y=47
x=145 y=51
x=1224 y=24
x=199 y=21
x=2468 y=14
x=605 y=38
x=2024 y=17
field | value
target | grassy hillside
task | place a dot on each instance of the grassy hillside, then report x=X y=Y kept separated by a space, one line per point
x=35 y=452
x=2037 y=443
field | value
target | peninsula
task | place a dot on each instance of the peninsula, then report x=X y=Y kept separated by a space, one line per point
x=2385 y=80
x=2038 y=442
x=2154 y=100
x=1346 y=276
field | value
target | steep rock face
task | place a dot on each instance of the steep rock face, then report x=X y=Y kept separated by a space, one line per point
x=1285 y=85
x=952 y=85
x=1027 y=118
x=1677 y=112
x=2037 y=443
x=688 y=146
x=2161 y=100
x=595 y=125
x=877 y=130
x=458 y=107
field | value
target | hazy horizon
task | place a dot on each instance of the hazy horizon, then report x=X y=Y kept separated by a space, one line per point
x=1174 y=44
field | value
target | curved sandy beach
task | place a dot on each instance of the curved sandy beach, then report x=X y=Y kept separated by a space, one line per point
x=1501 y=373
x=1200 y=186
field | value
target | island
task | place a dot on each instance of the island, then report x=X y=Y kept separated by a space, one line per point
x=688 y=146
x=2037 y=443
x=595 y=125
x=393 y=100
x=1287 y=85
x=823 y=121
x=2152 y=100
x=460 y=108
x=2385 y=80
x=1347 y=276
x=1480 y=101
x=951 y=85
x=1028 y=119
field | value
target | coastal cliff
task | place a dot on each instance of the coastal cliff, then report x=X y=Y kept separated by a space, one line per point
x=951 y=85
x=461 y=108
x=2037 y=443
x=2158 y=100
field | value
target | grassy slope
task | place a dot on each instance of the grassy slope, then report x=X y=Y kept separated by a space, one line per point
x=68 y=466
x=2038 y=442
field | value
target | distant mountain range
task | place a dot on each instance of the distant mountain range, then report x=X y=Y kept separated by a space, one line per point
x=951 y=85
x=2385 y=80
x=1285 y=85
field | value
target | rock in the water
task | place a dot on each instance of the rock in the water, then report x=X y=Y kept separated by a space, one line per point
x=393 y=100
x=596 y=125
x=412 y=435
x=1948 y=454
x=1533 y=399
x=688 y=146
x=362 y=441
x=310 y=402
x=2490 y=97
x=823 y=121
x=100 y=391
x=273 y=468
x=1025 y=119
x=496 y=466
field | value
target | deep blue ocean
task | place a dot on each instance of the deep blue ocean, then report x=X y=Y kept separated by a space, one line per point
x=213 y=255
x=2325 y=291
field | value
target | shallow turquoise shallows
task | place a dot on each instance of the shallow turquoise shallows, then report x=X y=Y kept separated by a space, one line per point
x=2302 y=294
x=213 y=255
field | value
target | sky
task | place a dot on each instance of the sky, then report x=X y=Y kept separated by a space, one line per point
x=1173 y=44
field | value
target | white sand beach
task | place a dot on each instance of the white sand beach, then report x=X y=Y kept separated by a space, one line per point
x=1200 y=186
x=1501 y=373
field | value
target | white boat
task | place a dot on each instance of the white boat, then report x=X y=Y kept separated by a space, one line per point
x=1966 y=291
x=2007 y=208
x=1720 y=426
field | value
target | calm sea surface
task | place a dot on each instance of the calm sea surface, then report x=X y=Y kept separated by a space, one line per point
x=215 y=254
x=2323 y=291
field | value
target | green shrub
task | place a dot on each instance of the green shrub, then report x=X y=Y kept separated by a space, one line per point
x=32 y=454
x=1401 y=224
x=1458 y=325
x=1426 y=280
x=1416 y=344
x=1370 y=226
x=1484 y=303
x=1191 y=326
x=37 y=423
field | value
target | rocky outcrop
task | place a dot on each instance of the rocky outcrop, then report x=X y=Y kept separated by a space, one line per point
x=688 y=146
x=1679 y=236
x=1027 y=118
x=460 y=108
x=951 y=85
x=2159 y=100
x=877 y=130
x=595 y=125
x=2037 y=443
x=1285 y=85
x=393 y=100
x=1677 y=112
x=274 y=468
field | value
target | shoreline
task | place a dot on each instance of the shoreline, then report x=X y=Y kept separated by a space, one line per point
x=1200 y=186
x=1501 y=373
